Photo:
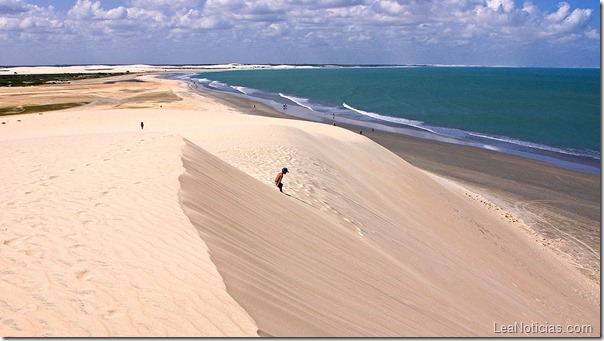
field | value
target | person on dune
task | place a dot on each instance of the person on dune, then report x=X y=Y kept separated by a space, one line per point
x=279 y=177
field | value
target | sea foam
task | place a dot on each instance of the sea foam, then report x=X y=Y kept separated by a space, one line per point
x=303 y=102
x=398 y=120
x=568 y=151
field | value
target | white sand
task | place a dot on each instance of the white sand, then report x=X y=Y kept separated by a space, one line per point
x=138 y=68
x=95 y=243
x=177 y=230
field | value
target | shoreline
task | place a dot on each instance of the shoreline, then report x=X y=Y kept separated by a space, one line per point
x=561 y=206
x=587 y=161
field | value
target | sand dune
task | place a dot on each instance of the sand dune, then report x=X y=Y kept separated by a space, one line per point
x=363 y=243
x=95 y=243
x=25 y=70
x=177 y=230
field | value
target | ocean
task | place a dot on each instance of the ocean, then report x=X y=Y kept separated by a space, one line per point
x=552 y=115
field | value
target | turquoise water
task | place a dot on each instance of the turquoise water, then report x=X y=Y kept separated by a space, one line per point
x=557 y=110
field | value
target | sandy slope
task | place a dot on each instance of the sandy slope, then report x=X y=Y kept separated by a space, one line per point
x=94 y=243
x=177 y=230
x=366 y=244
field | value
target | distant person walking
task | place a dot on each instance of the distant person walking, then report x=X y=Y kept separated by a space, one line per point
x=279 y=178
x=142 y=126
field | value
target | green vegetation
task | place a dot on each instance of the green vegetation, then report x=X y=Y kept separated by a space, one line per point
x=63 y=78
x=28 y=109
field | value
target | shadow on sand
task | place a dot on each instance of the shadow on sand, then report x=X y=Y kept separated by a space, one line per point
x=289 y=195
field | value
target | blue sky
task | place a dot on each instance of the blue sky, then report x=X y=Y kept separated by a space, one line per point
x=452 y=32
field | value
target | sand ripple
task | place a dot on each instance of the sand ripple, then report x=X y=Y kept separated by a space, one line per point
x=94 y=243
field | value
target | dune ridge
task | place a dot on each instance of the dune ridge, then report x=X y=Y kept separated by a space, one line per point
x=355 y=247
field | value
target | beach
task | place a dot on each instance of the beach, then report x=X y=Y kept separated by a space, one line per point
x=561 y=206
x=178 y=230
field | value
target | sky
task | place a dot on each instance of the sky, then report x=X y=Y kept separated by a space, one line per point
x=530 y=33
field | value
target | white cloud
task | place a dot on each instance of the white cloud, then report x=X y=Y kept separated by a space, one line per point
x=530 y=9
x=86 y=9
x=330 y=24
x=164 y=5
x=328 y=4
x=240 y=13
x=276 y=30
x=565 y=26
x=501 y=5
x=561 y=14
x=592 y=34
x=12 y=7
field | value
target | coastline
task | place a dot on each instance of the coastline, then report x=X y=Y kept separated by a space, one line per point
x=561 y=206
x=561 y=155
x=178 y=230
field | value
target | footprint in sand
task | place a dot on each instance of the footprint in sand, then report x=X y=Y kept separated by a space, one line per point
x=36 y=253
x=11 y=323
x=83 y=275
x=15 y=241
x=10 y=242
x=110 y=313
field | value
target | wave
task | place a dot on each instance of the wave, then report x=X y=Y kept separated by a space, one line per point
x=398 y=120
x=183 y=77
x=303 y=102
x=567 y=151
x=217 y=85
x=457 y=133
x=242 y=89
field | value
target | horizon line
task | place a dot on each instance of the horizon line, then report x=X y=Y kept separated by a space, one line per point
x=304 y=64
